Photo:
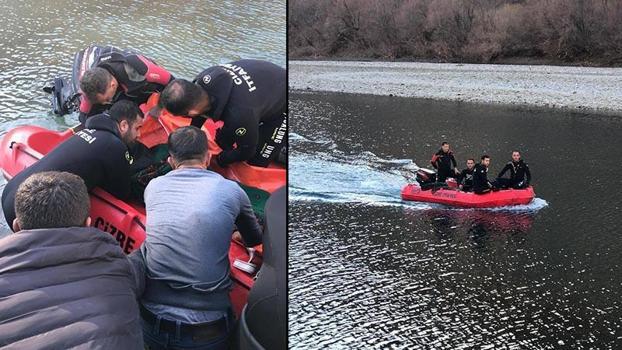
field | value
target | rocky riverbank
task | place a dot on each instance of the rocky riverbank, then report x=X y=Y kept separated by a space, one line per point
x=574 y=88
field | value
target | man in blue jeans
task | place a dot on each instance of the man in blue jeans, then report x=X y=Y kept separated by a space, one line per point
x=191 y=213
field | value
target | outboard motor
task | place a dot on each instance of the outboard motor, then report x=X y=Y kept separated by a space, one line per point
x=263 y=322
x=64 y=98
x=425 y=176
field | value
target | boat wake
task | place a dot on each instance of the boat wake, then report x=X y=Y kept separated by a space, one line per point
x=327 y=174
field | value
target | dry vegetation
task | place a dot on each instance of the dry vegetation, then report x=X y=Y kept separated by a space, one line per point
x=487 y=31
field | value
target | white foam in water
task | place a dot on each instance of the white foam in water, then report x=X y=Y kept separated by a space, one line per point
x=293 y=137
x=331 y=180
x=297 y=137
x=339 y=178
x=535 y=205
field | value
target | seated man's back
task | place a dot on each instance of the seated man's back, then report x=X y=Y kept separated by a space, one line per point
x=98 y=154
x=191 y=214
x=190 y=218
x=63 y=285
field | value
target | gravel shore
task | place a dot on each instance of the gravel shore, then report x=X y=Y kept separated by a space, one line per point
x=575 y=88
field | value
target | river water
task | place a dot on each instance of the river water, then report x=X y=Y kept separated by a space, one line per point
x=39 y=38
x=367 y=270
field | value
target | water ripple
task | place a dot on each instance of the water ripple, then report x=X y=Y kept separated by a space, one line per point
x=368 y=271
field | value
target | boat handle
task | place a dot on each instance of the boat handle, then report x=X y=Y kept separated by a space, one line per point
x=128 y=219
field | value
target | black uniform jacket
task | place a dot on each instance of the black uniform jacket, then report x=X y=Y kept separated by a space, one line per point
x=96 y=154
x=243 y=94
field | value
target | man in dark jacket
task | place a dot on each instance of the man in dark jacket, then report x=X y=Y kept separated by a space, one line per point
x=98 y=154
x=118 y=75
x=63 y=284
x=249 y=96
x=520 y=176
x=444 y=163
x=465 y=179
x=481 y=184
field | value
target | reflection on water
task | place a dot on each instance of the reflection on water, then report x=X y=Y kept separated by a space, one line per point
x=39 y=38
x=368 y=270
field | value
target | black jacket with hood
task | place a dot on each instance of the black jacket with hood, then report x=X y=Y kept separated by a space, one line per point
x=68 y=288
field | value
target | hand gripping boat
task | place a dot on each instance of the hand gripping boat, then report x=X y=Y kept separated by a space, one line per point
x=24 y=145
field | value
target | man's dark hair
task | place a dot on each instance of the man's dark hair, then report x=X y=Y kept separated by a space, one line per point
x=485 y=156
x=187 y=143
x=471 y=159
x=444 y=143
x=94 y=81
x=51 y=199
x=125 y=110
x=180 y=96
x=517 y=151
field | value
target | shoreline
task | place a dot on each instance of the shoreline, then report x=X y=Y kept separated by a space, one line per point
x=513 y=61
x=578 y=89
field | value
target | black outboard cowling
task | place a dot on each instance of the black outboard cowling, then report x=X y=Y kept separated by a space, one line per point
x=64 y=98
x=427 y=180
x=425 y=176
x=263 y=323
x=65 y=92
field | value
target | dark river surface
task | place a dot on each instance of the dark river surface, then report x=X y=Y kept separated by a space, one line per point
x=367 y=270
x=39 y=38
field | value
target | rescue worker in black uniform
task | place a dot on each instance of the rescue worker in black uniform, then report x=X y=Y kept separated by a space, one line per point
x=99 y=154
x=444 y=163
x=119 y=75
x=267 y=299
x=465 y=179
x=520 y=176
x=249 y=96
x=481 y=184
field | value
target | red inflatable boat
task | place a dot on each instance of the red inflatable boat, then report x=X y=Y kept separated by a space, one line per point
x=456 y=198
x=22 y=146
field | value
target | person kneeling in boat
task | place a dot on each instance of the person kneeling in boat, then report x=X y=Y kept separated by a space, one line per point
x=481 y=184
x=465 y=179
x=65 y=284
x=99 y=154
x=249 y=96
x=191 y=214
x=444 y=163
x=520 y=176
x=119 y=75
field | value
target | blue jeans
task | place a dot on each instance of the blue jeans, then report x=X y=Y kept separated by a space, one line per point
x=161 y=340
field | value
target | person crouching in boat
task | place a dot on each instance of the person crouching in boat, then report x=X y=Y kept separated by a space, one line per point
x=191 y=214
x=481 y=184
x=249 y=96
x=64 y=284
x=465 y=179
x=520 y=176
x=444 y=163
x=119 y=76
x=99 y=154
